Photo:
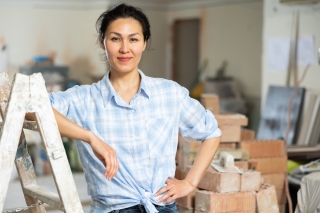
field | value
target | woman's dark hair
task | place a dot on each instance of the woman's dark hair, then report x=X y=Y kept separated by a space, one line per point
x=122 y=11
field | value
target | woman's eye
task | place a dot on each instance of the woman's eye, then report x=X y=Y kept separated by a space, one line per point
x=115 y=39
x=133 y=39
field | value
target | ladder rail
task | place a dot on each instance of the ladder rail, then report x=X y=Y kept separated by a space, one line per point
x=28 y=94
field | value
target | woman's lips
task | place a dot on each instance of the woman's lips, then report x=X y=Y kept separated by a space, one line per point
x=124 y=59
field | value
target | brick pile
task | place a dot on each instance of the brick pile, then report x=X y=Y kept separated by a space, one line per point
x=269 y=157
x=259 y=189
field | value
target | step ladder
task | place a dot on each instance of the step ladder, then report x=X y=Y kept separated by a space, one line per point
x=29 y=95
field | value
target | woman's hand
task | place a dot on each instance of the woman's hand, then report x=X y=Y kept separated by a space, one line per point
x=175 y=188
x=106 y=154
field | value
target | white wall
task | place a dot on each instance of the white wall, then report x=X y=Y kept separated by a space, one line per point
x=277 y=22
x=71 y=34
x=232 y=33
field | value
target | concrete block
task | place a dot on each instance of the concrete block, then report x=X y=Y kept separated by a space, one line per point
x=232 y=119
x=211 y=102
x=227 y=145
x=281 y=195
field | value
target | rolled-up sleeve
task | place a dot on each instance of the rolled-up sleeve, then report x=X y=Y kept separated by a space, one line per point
x=70 y=103
x=195 y=121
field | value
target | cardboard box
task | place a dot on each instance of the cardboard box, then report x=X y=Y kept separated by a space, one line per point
x=250 y=181
x=247 y=134
x=230 y=133
x=275 y=179
x=270 y=165
x=207 y=201
x=266 y=197
x=187 y=201
x=232 y=119
x=220 y=182
x=264 y=148
x=271 y=209
x=211 y=102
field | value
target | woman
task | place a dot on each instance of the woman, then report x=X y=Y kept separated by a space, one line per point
x=130 y=123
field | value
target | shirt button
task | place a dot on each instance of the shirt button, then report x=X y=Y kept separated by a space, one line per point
x=132 y=111
x=135 y=138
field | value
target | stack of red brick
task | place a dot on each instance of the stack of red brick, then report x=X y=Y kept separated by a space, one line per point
x=227 y=192
x=269 y=157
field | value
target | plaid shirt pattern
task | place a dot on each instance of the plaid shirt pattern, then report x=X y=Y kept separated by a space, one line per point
x=144 y=134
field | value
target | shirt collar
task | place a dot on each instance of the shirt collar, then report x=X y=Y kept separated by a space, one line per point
x=107 y=91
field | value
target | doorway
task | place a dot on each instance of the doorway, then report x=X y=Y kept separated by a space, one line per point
x=185 y=56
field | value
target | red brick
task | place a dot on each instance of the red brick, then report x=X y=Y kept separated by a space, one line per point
x=230 y=133
x=232 y=119
x=243 y=165
x=187 y=152
x=281 y=195
x=182 y=209
x=276 y=179
x=187 y=201
x=247 y=134
x=180 y=174
x=282 y=208
x=266 y=197
x=271 y=209
x=211 y=102
x=270 y=165
x=220 y=182
x=227 y=145
x=250 y=181
x=207 y=201
x=264 y=148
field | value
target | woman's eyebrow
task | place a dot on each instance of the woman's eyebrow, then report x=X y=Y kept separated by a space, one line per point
x=119 y=34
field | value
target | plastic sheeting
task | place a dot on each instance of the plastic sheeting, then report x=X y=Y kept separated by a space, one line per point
x=309 y=194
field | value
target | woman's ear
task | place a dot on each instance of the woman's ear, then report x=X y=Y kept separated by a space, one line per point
x=101 y=42
x=144 y=46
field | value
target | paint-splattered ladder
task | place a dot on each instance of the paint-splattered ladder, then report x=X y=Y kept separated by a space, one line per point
x=28 y=95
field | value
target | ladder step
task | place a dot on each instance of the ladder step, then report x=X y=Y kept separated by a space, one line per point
x=45 y=196
x=31 y=125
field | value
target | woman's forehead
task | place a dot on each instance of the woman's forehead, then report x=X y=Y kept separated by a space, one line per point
x=125 y=26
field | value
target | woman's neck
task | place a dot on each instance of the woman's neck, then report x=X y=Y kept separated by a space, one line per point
x=125 y=84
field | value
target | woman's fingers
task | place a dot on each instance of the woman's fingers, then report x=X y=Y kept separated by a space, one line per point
x=174 y=189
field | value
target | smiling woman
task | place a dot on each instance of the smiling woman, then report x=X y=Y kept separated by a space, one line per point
x=130 y=124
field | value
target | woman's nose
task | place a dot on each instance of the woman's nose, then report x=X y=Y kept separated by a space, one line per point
x=124 y=47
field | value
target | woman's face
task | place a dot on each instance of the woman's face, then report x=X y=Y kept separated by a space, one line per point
x=124 y=44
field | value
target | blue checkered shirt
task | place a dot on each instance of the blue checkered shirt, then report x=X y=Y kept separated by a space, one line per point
x=144 y=134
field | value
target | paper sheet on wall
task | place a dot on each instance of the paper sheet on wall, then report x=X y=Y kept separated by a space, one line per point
x=278 y=54
x=305 y=50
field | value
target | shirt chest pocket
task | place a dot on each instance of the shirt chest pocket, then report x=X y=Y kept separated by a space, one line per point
x=159 y=135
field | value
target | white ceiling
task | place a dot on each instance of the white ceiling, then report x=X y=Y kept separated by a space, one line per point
x=145 y=4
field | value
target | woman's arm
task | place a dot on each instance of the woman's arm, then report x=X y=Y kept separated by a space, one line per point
x=180 y=188
x=103 y=152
